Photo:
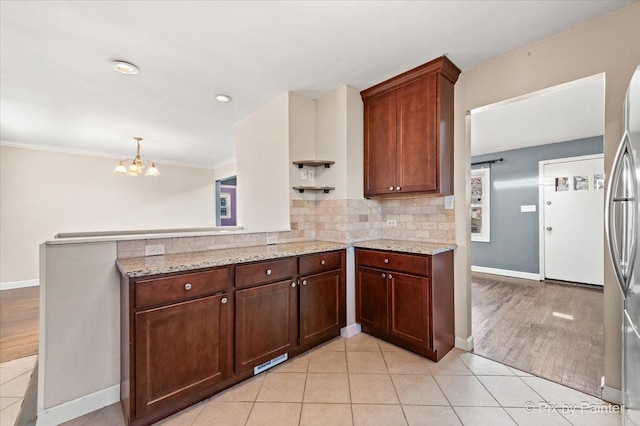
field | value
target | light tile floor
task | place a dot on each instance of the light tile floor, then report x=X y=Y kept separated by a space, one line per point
x=14 y=378
x=365 y=381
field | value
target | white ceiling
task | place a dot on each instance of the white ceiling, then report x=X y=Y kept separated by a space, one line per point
x=58 y=90
x=574 y=110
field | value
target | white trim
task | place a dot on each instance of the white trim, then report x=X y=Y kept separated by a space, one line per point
x=610 y=394
x=547 y=90
x=351 y=330
x=464 y=344
x=78 y=407
x=102 y=154
x=19 y=284
x=506 y=273
x=541 y=233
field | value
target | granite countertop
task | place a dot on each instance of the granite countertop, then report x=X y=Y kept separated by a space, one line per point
x=415 y=247
x=154 y=265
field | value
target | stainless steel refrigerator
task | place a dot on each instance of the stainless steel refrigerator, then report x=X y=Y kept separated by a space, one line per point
x=622 y=214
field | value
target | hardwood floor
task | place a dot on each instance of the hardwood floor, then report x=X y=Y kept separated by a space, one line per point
x=514 y=323
x=19 y=319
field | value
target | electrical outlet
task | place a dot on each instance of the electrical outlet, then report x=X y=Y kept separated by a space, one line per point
x=448 y=202
x=154 y=250
x=272 y=239
x=303 y=174
x=392 y=222
x=311 y=175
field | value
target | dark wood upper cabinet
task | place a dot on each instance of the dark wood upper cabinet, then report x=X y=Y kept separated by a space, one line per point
x=408 y=131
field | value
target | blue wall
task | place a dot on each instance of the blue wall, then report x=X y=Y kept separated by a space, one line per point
x=514 y=242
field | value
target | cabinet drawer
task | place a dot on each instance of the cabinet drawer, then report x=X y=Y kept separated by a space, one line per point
x=181 y=287
x=319 y=262
x=264 y=272
x=408 y=263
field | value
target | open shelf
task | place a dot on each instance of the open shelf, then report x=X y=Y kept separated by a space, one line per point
x=313 y=163
x=324 y=189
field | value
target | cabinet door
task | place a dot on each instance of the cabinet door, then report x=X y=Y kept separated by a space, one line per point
x=409 y=309
x=380 y=145
x=181 y=349
x=322 y=306
x=418 y=156
x=372 y=299
x=266 y=323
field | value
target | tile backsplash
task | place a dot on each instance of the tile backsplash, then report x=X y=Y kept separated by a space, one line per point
x=418 y=219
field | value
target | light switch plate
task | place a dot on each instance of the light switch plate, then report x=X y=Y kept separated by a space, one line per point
x=392 y=222
x=448 y=202
x=528 y=209
x=154 y=250
x=303 y=174
x=311 y=174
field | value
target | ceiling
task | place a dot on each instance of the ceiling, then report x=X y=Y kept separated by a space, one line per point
x=57 y=90
x=574 y=110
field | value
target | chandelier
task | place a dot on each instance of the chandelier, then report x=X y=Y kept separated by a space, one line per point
x=137 y=164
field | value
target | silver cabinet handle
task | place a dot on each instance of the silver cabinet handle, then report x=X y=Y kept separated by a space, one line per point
x=390 y=276
x=386 y=261
x=293 y=284
x=187 y=287
x=268 y=272
x=323 y=262
x=224 y=300
x=304 y=282
x=391 y=188
x=548 y=228
x=397 y=188
x=384 y=275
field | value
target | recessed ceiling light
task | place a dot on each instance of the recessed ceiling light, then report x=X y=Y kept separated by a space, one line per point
x=125 y=67
x=223 y=98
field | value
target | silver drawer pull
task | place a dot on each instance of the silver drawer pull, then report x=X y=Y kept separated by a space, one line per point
x=397 y=188
x=187 y=287
x=384 y=275
x=323 y=262
x=390 y=276
x=386 y=261
x=304 y=282
x=293 y=284
x=268 y=272
x=224 y=300
x=391 y=188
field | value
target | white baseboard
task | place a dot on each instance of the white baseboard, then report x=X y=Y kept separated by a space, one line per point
x=19 y=284
x=506 y=273
x=611 y=394
x=464 y=344
x=78 y=407
x=351 y=330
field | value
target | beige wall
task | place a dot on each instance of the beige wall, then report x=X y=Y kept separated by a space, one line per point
x=608 y=44
x=262 y=147
x=44 y=193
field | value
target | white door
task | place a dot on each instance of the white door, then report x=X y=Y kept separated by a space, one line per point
x=573 y=219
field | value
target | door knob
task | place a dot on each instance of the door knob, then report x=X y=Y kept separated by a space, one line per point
x=397 y=188
x=548 y=203
x=293 y=284
x=390 y=276
x=224 y=300
x=391 y=188
x=384 y=275
x=304 y=282
x=549 y=228
x=187 y=287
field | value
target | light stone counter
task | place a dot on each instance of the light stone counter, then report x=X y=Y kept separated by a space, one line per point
x=415 y=247
x=153 y=265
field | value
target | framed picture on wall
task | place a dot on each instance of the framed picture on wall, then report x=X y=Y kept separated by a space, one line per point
x=480 y=205
x=225 y=205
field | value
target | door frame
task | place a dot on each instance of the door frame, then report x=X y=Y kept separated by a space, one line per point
x=541 y=234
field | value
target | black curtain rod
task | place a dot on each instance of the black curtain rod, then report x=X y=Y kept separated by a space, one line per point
x=487 y=162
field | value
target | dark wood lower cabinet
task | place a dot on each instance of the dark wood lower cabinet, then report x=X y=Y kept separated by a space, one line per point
x=181 y=349
x=322 y=306
x=266 y=323
x=186 y=336
x=401 y=301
